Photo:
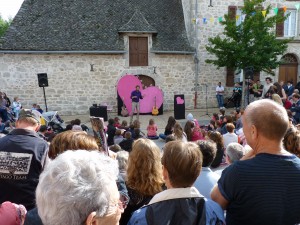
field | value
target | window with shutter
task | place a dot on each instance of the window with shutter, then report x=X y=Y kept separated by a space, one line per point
x=232 y=12
x=138 y=51
x=230 y=77
x=290 y=23
x=280 y=26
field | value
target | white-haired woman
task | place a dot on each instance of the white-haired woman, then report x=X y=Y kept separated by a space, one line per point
x=79 y=187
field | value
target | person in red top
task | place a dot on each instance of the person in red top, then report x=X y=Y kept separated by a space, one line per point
x=152 y=130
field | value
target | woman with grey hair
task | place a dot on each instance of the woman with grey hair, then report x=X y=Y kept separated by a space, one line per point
x=122 y=157
x=79 y=187
x=234 y=152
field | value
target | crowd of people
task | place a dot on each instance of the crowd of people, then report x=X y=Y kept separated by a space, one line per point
x=68 y=178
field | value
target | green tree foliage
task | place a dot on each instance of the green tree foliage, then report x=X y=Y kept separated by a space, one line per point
x=4 y=24
x=252 y=43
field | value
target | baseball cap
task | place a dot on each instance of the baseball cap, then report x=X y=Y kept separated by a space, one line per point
x=25 y=113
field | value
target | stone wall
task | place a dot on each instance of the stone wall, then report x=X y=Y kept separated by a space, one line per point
x=73 y=87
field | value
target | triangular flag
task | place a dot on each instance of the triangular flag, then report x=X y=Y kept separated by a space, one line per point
x=243 y=17
x=297 y=6
x=284 y=8
x=275 y=11
x=212 y=19
x=220 y=19
x=264 y=13
x=253 y=13
x=237 y=17
x=204 y=20
x=194 y=20
x=197 y=20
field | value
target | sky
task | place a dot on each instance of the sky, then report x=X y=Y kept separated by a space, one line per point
x=9 y=8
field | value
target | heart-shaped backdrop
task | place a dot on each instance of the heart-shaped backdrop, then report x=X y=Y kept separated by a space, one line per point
x=128 y=83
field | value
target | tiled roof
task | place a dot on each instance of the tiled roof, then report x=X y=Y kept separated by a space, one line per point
x=137 y=24
x=94 y=25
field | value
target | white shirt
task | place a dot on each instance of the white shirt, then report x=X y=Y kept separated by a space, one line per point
x=230 y=138
x=219 y=89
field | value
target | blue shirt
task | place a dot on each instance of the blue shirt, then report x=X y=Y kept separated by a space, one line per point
x=263 y=190
x=136 y=94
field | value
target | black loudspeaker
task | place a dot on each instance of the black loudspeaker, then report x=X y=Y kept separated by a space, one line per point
x=249 y=72
x=42 y=79
x=99 y=111
x=179 y=107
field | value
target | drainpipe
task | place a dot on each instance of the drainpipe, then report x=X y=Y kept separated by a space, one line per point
x=196 y=60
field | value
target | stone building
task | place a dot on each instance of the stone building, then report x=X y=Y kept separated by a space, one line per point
x=85 y=47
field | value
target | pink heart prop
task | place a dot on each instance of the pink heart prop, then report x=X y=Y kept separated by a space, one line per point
x=128 y=83
x=179 y=100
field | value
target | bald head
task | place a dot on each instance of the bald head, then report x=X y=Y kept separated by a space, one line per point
x=269 y=118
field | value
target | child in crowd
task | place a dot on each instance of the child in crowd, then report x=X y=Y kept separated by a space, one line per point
x=111 y=130
x=38 y=108
x=215 y=117
x=152 y=130
x=16 y=107
x=124 y=125
x=193 y=132
x=169 y=128
x=212 y=125
x=126 y=144
x=117 y=122
x=76 y=125
x=178 y=133
x=118 y=137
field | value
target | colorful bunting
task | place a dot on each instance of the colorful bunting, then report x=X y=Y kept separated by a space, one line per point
x=297 y=6
x=237 y=17
x=204 y=20
x=264 y=13
x=243 y=17
x=194 y=20
x=220 y=19
x=212 y=19
x=284 y=8
x=197 y=20
x=275 y=11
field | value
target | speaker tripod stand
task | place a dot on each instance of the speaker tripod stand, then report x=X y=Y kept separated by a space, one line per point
x=206 y=107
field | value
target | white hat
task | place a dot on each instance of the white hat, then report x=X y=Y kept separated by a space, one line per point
x=190 y=117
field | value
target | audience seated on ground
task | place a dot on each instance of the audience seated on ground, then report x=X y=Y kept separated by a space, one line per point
x=169 y=128
x=126 y=144
x=207 y=178
x=77 y=125
x=217 y=138
x=111 y=131
x=264 y=188
x=193 y=132
x=230 y=136
x=180 y=203
x=118 y=137
x=234 y=152
x=178 y=133
x=152 y=130
x=144 y=176
x=77 y=188
x=122 y=157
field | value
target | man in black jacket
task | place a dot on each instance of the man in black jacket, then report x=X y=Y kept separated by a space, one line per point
x=22 y=158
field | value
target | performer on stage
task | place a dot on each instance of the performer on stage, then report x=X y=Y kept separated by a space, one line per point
x=135 y=97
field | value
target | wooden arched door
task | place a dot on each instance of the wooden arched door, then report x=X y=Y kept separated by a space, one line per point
x=288 y=70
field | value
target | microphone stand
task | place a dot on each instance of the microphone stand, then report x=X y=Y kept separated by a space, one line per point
x=206 y=107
